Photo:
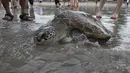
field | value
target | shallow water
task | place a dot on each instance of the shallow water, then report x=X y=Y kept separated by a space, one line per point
x=19 y=53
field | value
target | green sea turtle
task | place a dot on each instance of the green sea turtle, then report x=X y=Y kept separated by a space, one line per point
x=70 y=25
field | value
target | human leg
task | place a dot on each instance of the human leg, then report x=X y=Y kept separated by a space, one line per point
x=74 y=4
x=57 y=3
x=14 y=4
x=118 y=6
x=68 y=2
x=32 y=9
x=8 y=15
x=6 y=6
x=71 y=4
x=96 y=1
x=99 y=14
x=24 y=6
x=127 y=2
x=64 y=1
x=0 y=4
x=17 y=2
x=24 y=10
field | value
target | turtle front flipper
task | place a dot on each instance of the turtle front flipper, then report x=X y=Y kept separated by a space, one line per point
x=65 y=40
x=77 y=35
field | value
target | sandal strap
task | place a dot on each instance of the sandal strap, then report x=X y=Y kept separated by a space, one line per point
x=22 y=16
x=8 y=17
x=25 y=17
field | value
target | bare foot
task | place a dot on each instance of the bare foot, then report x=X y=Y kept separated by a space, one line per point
x=99 y=14
x=114 y=16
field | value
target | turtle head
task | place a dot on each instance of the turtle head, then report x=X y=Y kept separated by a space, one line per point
x=44 y=34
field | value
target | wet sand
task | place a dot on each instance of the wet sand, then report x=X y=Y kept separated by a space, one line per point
x=20 y=54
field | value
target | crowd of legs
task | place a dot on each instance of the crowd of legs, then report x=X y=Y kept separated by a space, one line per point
x=24 y=10
x=74 y=5
x=116 y=10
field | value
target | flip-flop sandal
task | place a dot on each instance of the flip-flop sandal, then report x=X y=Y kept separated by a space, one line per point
x=25 y=17
x=98 y=16
x=8 y=17
x=113 y=17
